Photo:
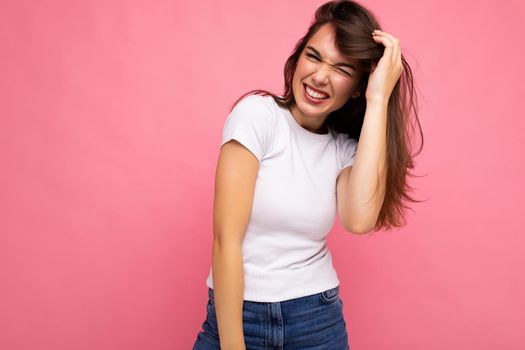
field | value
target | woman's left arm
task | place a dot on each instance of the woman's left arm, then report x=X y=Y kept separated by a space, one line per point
x=361 y=187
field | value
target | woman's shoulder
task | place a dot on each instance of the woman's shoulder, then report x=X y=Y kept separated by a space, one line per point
x=255 y=110
x=256 y=100
x=257 y=106
x=341 y=137
x=344 y=143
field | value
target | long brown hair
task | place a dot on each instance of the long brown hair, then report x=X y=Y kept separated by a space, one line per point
x=353 y=26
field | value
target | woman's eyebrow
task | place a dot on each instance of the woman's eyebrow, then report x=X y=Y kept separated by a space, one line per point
x=337 y=64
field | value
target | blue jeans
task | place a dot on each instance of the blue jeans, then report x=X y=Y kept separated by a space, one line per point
x=313 y=322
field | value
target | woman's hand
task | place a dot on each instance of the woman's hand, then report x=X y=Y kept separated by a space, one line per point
x=385 y=74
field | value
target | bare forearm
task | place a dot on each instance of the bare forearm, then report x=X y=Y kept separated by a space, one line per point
x=228 y=287
x=368 y=174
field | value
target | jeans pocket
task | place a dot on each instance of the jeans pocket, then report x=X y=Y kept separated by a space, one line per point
x=330 y=296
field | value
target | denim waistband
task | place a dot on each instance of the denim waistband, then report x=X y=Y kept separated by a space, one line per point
x=327 y=294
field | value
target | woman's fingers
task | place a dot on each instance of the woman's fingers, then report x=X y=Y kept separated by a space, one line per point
x=392 y=44
x=387 y=43
x=397 y=56
x=396 y=46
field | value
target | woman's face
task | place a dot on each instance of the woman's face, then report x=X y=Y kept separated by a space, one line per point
x=332 y=77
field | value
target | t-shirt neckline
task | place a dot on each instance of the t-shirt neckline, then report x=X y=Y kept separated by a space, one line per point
x=304 y=131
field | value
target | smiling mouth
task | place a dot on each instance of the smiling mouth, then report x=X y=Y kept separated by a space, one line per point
x=315 y=94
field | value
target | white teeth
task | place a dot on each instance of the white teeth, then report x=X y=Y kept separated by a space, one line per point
x=315 y=94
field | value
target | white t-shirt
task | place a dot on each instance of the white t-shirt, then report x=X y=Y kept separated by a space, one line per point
x=294 y=206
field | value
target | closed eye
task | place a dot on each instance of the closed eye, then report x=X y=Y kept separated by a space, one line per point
x=309 y=55
x=312 y=56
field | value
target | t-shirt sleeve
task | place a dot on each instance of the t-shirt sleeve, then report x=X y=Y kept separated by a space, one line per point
x=251 y=122
x=348 y=149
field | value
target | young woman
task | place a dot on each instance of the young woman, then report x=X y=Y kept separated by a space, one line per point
x=287 y=165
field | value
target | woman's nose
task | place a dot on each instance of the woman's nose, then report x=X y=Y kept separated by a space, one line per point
x=321 y=74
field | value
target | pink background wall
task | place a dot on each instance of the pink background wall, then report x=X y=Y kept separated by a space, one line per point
x=110 y=120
